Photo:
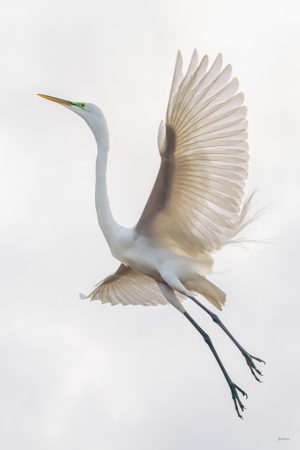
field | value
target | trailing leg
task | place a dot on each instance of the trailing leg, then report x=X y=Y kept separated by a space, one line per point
x=249 y=358
x=169 y=294
x=233 y=387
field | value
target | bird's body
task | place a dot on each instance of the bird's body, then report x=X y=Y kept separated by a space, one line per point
x=195 y=206
x=145 y=255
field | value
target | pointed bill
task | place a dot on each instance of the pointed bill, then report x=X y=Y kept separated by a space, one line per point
x=57 y=100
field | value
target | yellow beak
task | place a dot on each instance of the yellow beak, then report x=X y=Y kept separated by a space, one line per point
x=57 y=100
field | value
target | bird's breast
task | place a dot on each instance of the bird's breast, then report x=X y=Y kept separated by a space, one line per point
x=144 y=256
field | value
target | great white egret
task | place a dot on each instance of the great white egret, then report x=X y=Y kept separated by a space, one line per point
x=195 y=206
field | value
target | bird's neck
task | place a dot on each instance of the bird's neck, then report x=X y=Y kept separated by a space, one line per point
x=110 y=228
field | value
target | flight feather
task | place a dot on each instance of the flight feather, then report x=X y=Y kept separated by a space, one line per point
x=196 y=202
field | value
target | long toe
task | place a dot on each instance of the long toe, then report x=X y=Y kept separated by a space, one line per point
x=254 y=370
x=258 y=359
x=239 y=407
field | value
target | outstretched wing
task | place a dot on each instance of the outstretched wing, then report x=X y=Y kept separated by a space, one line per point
x=195 y=204
x=128 y=287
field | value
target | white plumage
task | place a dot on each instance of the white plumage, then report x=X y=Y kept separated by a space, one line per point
x=195 y=204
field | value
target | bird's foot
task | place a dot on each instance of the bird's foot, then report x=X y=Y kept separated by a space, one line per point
x=237 y=401
x=254 y=370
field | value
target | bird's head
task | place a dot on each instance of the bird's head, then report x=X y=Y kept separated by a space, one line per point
x=89 y=112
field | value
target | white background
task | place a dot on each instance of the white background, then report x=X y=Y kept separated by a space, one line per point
x=79 y=375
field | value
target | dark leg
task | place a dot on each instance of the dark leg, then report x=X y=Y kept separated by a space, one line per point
x=233 y=387
x=249 y=358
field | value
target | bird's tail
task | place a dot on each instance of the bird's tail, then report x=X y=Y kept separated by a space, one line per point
x=207 y=289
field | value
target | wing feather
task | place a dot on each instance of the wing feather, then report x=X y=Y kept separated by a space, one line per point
x=196 y=203
x=128 y=287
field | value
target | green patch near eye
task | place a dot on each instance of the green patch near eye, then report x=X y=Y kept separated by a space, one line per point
x=80 y=105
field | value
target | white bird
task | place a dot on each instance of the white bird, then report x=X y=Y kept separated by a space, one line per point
x=195 y=206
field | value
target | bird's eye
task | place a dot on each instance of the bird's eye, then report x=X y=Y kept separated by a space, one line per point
x=83 y=105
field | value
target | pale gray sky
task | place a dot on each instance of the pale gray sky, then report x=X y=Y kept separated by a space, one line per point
x=78 y=375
